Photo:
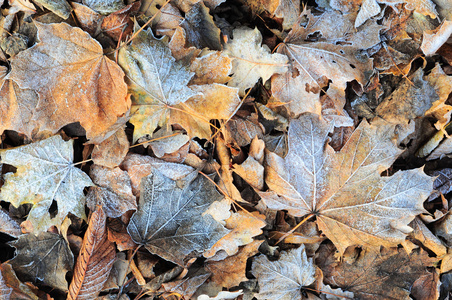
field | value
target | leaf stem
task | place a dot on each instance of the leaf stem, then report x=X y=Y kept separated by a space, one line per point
x=295 y=228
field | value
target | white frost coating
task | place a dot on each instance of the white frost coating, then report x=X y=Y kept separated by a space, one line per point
x=45 y=172
x=355 y=205
x=252 y=61
x=223 y=295
x=283 y=279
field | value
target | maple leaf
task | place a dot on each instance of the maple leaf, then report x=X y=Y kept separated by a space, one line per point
x=46 y=258
x=169 y=220
x=15 y=106
x=95 y=259
x=250 y=60
x=75 y=81
x=156 y=80
x=353 y=204
x=284 y=278
x=388 y=274
x=45 y=173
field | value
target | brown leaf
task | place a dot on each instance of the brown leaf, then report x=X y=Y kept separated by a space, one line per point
x=44 y=258
x=113 y=191
x=95 y=260
x=10 y=286
x=230 y=271
x=111 y=152
x=213 y=67
x=185 y=287
x=89 y=20
x=426 y=287
x=67 y=79
x=314 y=179
x=427 y=238
x=389 y=274
x=119 y=24
x=9 y=225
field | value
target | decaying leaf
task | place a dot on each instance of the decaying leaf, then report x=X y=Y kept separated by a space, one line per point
x=250 y=60
x=284 y=278
x=44 y=258
x=11 y=287
x=313 y=179
x=432 y=41
x=169 y=221
x=45 y=173
x=95 y=259
x=185 y=287
x=68 y=80
x=9 y=225
x=111 y=152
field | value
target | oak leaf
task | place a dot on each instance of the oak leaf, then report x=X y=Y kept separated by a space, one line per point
x=75 y=81
x=43 y=258
x=353 y=204
x=284 y=278
x=250 y=60
x=45 y=173
x=170 y=221
x=95 y=259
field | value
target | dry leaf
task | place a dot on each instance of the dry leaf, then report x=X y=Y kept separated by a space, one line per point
x=113 y=191
x=44 y=258
x=284 y=278
x=9 y=225
x=45 y=173
x=427 y=238
x=10 y=286
x=185 y=287
x=313 y=179
x=244 y=226
x=230 y=271
x=89 y=20
x=67 y=79
x=119 y=24
x=104 y=7
x=386 y=275
x=95 y=260
x=426 y=287
x=250 y=60
x=433 y=40
x=112 y=151
x=169 y=221
x=156 y=80
x=59 y=7
x=211 y=67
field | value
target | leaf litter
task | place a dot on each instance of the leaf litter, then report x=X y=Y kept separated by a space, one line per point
x=225 y=150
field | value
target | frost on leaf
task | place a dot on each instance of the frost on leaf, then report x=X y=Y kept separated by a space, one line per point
x=170 y=221
x=45 y=173
x=283 y=279
x=250 y=60
x=75 y=81
x=156 y=81
x=353 y=204
x=44 y=258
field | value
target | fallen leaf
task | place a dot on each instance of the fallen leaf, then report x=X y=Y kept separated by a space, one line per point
x=427 y=238
x=284 y=278
x=200 y=28
x=211 y=67
x=45 y=173
x=21 y=5
x=433 y=40
x=89 y=20
x=222 y=295
x=44 y=258
x=172 y=143
x=250 y=60
x=95 y=260
x=104 y=7
x=313 y=179
x=9 y=225
x=119 y=24
x=59 y=7
x=113 y=191
x=230 y=271
x=156 y=80
x=67 y=79
x=289 y=10
x=427 y=286
x=442 y=183
x=140 y=166
x=244 y=226
x=112 y=151
x=185 y=287
x=10 y=286
x=14 y=107
x=388 y=274
x=169 y=219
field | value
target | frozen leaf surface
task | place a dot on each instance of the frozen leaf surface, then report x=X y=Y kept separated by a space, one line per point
x=95 y=260
x=353 y=204
x=45 y=173
x=43 y=258
x=283 y=279
x=75 y=81
x=156 y=81
x=169 y=221
x=250 y=60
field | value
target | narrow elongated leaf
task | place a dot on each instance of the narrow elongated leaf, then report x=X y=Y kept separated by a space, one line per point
x=170 y=220
x=95 y=260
